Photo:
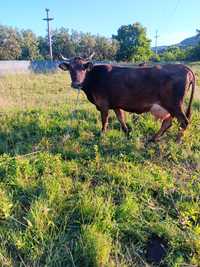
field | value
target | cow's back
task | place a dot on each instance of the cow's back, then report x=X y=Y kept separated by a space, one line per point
x=136 y=89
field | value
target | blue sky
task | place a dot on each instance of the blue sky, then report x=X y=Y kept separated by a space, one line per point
x=174 y=19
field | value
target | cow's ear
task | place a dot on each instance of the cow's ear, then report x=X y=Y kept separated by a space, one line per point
x=88 y=66
x=64 y=66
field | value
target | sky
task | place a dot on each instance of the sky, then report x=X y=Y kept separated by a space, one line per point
x=174 y=19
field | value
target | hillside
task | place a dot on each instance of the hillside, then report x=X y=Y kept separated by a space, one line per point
x=191 y=41
x=72 y=197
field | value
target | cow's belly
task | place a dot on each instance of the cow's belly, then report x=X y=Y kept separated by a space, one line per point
x=159 y=112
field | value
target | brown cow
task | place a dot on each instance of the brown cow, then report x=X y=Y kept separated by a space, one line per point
x=159 y=89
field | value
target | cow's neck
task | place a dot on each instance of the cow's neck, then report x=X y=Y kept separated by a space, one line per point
x=87 y=88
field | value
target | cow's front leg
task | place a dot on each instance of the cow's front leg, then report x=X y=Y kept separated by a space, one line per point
x=104 y=119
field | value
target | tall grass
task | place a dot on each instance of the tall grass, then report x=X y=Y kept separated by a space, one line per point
x=71 y=197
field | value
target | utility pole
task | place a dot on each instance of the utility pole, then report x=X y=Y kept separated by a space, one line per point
x=49 y=33
x=156 y=42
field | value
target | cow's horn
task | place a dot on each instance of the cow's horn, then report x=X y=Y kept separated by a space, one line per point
x=64 y=58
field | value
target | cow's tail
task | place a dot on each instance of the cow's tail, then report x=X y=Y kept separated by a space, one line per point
x=192 y=83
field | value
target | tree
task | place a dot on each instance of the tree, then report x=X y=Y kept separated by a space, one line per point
x=78 y=43
x=193 y=53
x=62 y=43
x=10 y=48
x=29 y=45
x=134 y=45
x=173 y=53
x=43 y=47
x=105 y=48
x=86 y=45
x=155 y=57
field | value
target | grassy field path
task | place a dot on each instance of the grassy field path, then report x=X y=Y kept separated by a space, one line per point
x=71 y=197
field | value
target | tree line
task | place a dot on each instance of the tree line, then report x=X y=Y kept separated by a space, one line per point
x=25 y=45
x=130 y=44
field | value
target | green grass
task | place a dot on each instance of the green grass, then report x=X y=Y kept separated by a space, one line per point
x=71 y=197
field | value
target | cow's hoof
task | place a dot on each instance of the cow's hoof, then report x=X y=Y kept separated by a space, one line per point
x=102 y=134
x=128 y=136
x=99 y=134
x=147 y=141
x=129 y=128
x=127 y=131
x=179 y=140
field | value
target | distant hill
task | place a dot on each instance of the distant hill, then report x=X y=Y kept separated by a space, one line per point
x=191 y=41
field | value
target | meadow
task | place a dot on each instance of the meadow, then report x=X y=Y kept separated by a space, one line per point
x=70 y=196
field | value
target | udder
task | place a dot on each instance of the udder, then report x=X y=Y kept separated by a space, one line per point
x=159 y=112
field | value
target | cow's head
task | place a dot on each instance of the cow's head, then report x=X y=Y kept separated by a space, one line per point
x=77 y=68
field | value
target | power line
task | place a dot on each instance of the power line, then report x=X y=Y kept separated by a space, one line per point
x=48 y=19
x=176 y=6
x=169 y=18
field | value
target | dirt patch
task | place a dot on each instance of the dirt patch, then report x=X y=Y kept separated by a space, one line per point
x=5 y=103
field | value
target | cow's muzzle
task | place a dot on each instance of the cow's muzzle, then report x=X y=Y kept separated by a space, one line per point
x=76 y=85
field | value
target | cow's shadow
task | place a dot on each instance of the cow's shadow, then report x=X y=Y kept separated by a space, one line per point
x=24 y=137
x=75 y=138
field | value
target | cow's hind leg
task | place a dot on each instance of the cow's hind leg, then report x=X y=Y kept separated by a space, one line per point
x=183 y=120
x=166 y=124
x=121 y=117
